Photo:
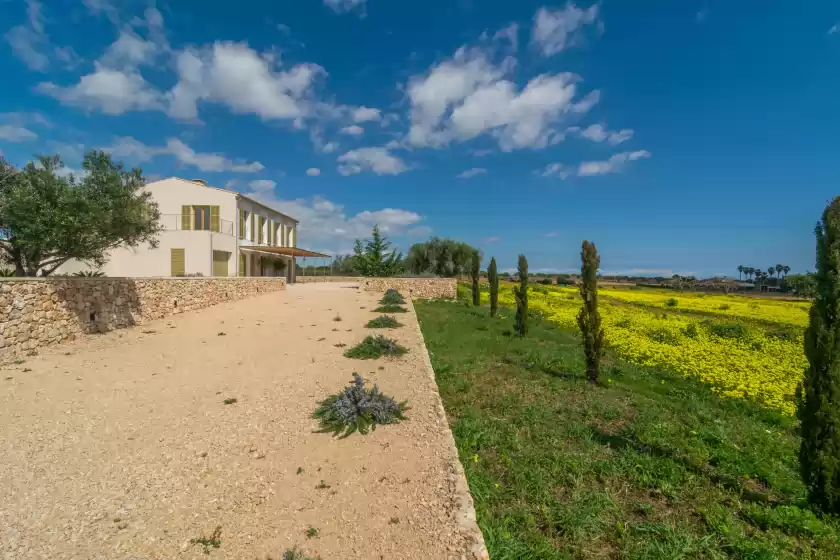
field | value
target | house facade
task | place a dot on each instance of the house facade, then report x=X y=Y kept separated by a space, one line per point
x=209 y=231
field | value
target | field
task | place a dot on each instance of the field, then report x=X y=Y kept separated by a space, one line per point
x=652 y=465
x=744 y=348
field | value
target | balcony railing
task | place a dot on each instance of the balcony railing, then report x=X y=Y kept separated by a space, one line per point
x=172 y=222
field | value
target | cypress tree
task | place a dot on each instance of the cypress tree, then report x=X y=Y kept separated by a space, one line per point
x=819 y=394
x=521 y=294
x=476 y=269
x=493 y=276
x=589 y=319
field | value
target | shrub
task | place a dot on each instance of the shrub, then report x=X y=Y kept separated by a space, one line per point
x=493 y=276
x=671 y=302
x=297 y=554
x=392 y=297
x=691 y=331
x=463 y=294
x=384 y=322
x=520 y=292
x=390 y=309
x=728 y=330
x=589 y=318
x=724 y=306
x=357 y=409
x=373 y=347
x=546 y=281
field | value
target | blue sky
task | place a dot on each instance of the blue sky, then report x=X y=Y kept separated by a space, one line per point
x=681 y=137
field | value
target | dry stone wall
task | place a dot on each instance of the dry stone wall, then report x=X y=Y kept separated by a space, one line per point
x=423 y=288
x=43 y=311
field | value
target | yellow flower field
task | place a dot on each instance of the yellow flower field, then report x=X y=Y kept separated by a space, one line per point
x=739 y=360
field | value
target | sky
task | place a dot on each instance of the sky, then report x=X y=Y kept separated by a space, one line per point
x=681 y=137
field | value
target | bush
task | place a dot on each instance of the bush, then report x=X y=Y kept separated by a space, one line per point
x=724 y=306
x=390 y=309
x=546 y=281
x=373 y=347
x=728 y=330
x=671 y=302
x=691 y=331
x=392 y=297
x=384 y=322
x=357 y=409
x=297 y=554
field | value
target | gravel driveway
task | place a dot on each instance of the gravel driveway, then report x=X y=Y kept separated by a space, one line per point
x=121 y=446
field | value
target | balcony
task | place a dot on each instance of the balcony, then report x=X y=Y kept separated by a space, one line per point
x=174 y=222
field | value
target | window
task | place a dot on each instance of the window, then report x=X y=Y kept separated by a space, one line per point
x=201 y=220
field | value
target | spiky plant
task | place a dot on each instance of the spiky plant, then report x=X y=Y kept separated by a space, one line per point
x=589 y=318
x=358 y=409
x=384 y=322
x=373 y=347
x=89 y=274
x=390 y=309
x=392 y=297
x=493 y=277
x=7 y=273
x=474 y=272
x=819 y=395
x=520 y=293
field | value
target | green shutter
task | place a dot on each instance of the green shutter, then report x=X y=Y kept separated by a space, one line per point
x=214 y=218
x=294 y=237
x=220 y=263
x=241 y=264
x=186 y=217
x=272 y=234
x=241 y=223
x=177 y=262
x=253 y=228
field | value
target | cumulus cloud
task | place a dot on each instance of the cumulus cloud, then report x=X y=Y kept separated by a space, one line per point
x=376 y=160
x=599 y=133
x=244 y=80
x=352 y=130
x=467 y=96
x=363 y=114
x=111 y=91
x=554 y=30
x=344 y=6
x=313 y=171
x=262 y=185
x=129 y=147
x=471 y=173
x=13 y=133
x=612 y=165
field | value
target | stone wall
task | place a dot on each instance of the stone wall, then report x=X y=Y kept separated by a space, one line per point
x=424 y=288
x=36 y=312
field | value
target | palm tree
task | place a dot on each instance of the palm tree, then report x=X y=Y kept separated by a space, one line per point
x=741 y=269
x=785 y=269
x=771 y=271
x=779 y=269
x=750 y=272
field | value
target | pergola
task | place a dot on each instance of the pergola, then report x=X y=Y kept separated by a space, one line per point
x=296 y=253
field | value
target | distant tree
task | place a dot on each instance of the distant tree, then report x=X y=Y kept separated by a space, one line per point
x=779 y=268
x=441 y=257
x=372 y=258
x=803 y=284
x=771 y=271
x=520 y=293
x=474 y=273
x=48 y=218
x=493 y=277
x=819 y=409
x=741 y=269
x=785 y=269
x=589 y=318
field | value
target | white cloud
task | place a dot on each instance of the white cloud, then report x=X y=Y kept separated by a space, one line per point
x=97 y=7
x=262 y=185
x=246 y=81
x=491 y=239
x=551 y=234
x=472 y=173
x=313 y=171
x=555 y=170
x=509 y=34
x=834 y=29
x=465 y=97
x=129 y=50
x=111 y=91
x=352 y=130
x=13 y=133
x=343 y=6
x=363 y=114
x=130 y=147
x=377 y=160
x=330 y=147
x=31 y=43
x=599 y=133
x=615 y=163
x=554 y=30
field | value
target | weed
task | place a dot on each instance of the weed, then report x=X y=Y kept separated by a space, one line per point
x=357 y=408
x=213 y=541
x=390 y=309
x=148 y=331
x=373 y=347
x=671 y=302
x=321 y=340
x=339 y=345
x=392 y=297
x=18 y=362
x=394 y=521
x=26 y=369
x=299 y=470
x=229 y=400
x=322 y=485
x=297 y=554
x=337 y=318
x=384 y=322
x=724 y=306
x=727 y=330
x=311 y=532
x=221 y=333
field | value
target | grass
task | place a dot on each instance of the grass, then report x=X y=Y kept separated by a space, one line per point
x=391 y=308
x=213 y=541
x=650 y=466
x=311 y=532
x=384 y=322
x=373 y=347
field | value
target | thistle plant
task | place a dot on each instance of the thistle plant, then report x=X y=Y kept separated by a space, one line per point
x=391 y=308
x=358 y=409
x=373 y=347
x=392 y=297
x=384 y=322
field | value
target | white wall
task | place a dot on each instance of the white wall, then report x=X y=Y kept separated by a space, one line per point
x=285 y=222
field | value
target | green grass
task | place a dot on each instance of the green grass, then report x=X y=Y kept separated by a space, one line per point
x=650 y=466
x=384 y=322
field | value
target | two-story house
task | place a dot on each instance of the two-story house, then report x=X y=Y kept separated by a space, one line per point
x=209 y=231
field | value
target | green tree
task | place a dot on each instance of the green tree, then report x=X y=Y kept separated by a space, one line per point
x=520 y=293
x=741 y=269
x=803 y=284
x=372 y=258
x=819 y=403
x=589 y=318
x=779 y=269
x=48 y=217
x=785 y=269
x=474 y=273
x=493 y=277
x=441 y=257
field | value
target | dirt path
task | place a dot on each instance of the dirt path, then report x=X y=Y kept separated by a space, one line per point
x=120 y=446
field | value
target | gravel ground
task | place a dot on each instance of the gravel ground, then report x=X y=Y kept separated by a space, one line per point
x=120 y=445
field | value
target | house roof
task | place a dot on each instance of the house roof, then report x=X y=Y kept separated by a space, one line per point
x=203 y=183
x=285 y=251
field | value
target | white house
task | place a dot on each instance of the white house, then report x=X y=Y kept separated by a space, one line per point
x=209 y=231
